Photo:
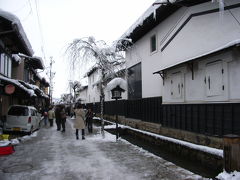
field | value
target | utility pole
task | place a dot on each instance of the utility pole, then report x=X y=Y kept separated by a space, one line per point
x=52 y=74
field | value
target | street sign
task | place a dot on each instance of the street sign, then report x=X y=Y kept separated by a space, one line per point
x=9 y=89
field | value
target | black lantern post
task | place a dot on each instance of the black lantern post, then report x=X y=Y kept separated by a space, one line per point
x=117 y=94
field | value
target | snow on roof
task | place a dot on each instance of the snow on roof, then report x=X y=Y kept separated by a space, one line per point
x=37 y=62
x=117 y=82
x=91 y=71
x=35 y=88
x=17 y=58
x=17 y=26
x=18 y=84
x=151 y=10
x=140 y=20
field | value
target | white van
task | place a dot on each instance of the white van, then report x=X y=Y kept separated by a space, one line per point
x=22 y=118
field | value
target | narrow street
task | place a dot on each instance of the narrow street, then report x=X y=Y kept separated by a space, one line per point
x=56 y=155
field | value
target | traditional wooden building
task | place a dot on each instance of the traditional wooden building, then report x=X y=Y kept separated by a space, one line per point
x=183 y=69
x=18 y=67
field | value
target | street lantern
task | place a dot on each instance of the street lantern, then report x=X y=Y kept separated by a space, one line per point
x=117 y=94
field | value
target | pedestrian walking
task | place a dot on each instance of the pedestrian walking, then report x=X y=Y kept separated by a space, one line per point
x=79 y=121
x=51 y=116
x=63 y=117
x=89 y=120
x=58 y=117
x=45 y=116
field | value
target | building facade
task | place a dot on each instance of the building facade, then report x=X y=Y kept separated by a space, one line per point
x=187 y=54
x=18 y=67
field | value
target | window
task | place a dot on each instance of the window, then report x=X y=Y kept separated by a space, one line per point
x=2 y=63
x=18 y=111
x=5 y=65
x=26 y=75
x=153 y=43
x=9 y=71
x=135 y=82
x=214 y=79
x=33 y=113
x=176 y=85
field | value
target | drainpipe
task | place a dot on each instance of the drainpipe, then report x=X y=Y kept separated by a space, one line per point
x=231 y=152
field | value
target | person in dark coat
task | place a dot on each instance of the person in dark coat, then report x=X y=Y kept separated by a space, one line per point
x=58 y=117
x=89 y=120
x=63 y=117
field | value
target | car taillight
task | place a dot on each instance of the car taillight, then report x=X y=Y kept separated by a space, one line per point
x=29 y=119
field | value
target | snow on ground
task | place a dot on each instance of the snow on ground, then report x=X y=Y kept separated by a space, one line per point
x=222 y=176
x=214 y=151
x=56 y=155
x=229 y=176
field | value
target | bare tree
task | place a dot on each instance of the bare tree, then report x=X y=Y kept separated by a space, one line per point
x=106 y=58
x=76 y=85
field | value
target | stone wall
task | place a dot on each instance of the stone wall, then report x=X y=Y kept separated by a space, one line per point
x=170 y=132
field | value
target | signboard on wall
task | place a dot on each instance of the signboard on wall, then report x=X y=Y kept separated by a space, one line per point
x=9 y=89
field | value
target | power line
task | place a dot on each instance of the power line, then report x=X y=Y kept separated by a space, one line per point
x=40 y=29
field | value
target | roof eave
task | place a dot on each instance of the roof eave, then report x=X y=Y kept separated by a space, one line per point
x=161 y=13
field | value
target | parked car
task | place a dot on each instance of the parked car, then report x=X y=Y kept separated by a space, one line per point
x=22 y=119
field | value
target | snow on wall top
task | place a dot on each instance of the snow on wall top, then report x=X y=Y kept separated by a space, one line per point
x=16 y=24
x=117 y=82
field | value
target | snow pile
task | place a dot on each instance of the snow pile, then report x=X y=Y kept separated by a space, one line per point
x=14 y=141
x=117 y=82
x=206 y=149
x=214 y=151
x=8 y=142
x=4 y=143
x=17 y=140
x=229 y=176
x=28 y=137
x=107 y=137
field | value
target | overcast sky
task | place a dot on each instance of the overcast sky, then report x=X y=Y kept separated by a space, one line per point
x=61 y=21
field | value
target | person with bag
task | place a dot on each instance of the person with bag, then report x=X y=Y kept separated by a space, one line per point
x=63 y=117
x=79 y=121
